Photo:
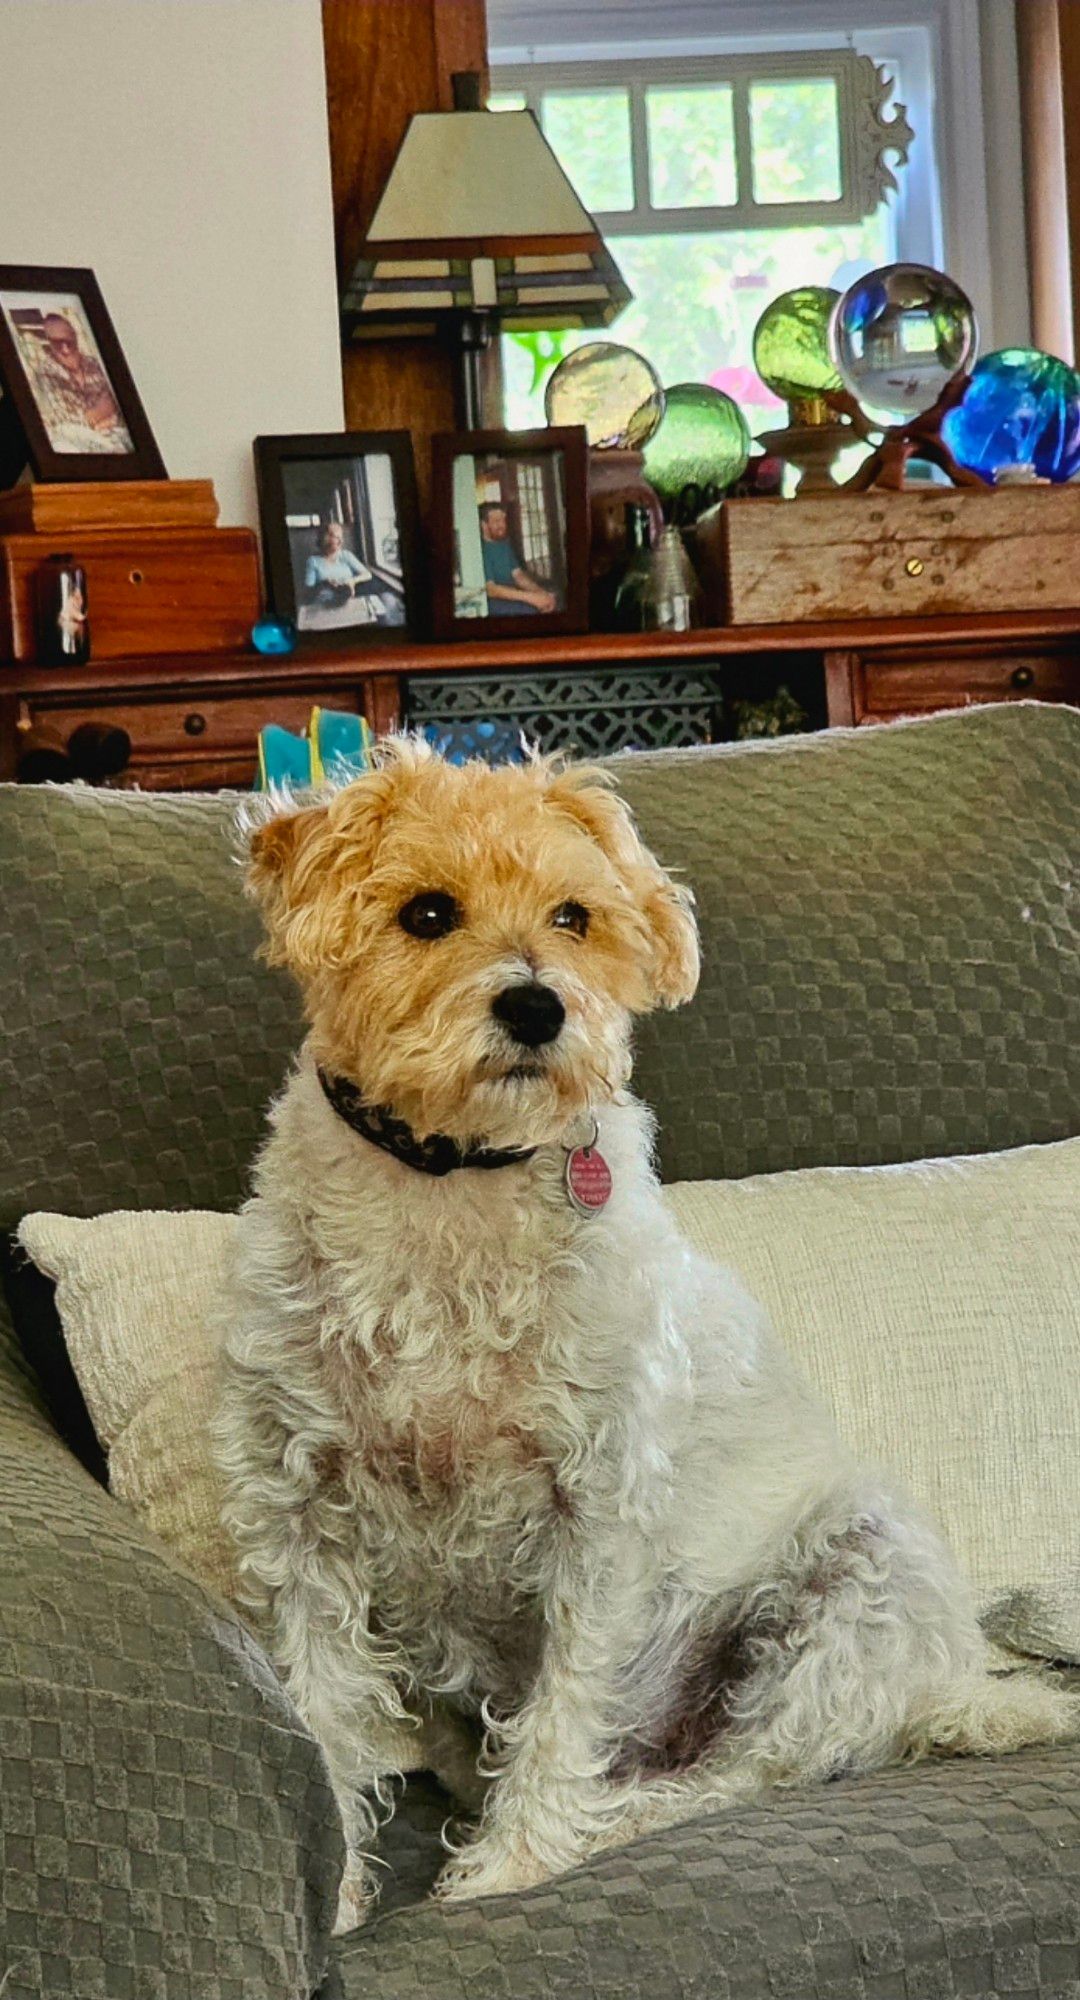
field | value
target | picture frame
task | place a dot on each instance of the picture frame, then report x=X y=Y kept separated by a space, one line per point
x=341 y=547
x=68 y=405
x=536 y=553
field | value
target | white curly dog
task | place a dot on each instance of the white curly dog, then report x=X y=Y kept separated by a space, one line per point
x=499 y=1448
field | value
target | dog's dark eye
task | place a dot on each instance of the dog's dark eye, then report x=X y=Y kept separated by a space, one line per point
x=571 y=917
x=432 y=914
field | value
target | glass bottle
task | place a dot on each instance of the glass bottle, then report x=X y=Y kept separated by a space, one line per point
x=633 y=611
x=674 y=591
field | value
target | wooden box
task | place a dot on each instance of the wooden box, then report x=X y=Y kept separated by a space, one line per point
x=76 y=506
x=900 y=555
x=151 y=590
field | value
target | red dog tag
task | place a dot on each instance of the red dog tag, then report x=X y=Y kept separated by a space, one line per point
x=588 y=1177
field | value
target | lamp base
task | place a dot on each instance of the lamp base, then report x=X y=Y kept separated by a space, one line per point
x=475 y=331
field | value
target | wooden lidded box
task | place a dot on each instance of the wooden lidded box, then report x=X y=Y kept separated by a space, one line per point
x=900 y=555
x=161 y=577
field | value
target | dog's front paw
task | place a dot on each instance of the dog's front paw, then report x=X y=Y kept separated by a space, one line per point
x=356 y=1896
x=490 y=1867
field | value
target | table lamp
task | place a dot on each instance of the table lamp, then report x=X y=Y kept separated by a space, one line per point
x=479 y=229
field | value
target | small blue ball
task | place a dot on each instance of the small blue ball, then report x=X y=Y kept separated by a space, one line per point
x=273 y=636
x=1021 y=407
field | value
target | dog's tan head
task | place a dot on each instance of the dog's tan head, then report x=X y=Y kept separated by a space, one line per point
x=472 y=943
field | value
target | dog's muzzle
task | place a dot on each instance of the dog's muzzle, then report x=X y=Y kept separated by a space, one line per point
x=531 y=1014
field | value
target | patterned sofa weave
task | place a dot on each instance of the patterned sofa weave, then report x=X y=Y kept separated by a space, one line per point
x=891 y=932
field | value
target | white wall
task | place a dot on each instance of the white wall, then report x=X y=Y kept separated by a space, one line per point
x=179 y=149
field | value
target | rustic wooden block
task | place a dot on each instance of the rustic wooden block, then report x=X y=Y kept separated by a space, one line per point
x=86 y=504
x=151 y=591
x=901 y=555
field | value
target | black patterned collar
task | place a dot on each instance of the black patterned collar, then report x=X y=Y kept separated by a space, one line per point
x=437 y=1155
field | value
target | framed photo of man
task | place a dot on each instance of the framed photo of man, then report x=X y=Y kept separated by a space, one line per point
x=511 y=533
x=68 y=406
x=339 y=528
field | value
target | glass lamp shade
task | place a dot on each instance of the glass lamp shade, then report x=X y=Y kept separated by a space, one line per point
x=610 y=389
x=791 y=344
x=1021 y=407
x=898 y=337
x=477 y=215
x=703 y=444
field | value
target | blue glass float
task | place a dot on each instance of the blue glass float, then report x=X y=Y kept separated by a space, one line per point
x=1021 y=407
x=273 y=636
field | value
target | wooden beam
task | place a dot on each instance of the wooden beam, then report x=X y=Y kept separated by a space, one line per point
x=1048 y=46
x=385 y=60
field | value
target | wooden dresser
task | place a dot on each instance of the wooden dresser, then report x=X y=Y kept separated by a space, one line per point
x=192 y=720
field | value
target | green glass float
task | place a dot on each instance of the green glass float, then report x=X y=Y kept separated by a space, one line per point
x=610 y=389
x=701 y=448
x=791 y=349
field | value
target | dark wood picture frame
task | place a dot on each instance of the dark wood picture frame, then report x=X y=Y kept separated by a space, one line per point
x=24 y=434
x=569 y=441
x=272 y=455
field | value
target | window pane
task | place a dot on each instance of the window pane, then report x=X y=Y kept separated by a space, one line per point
x=506 y=100
x=697 y=300
x=589 y=130
x=796 y=140
x=692 y=147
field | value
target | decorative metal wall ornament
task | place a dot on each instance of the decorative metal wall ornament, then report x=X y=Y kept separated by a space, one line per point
x=593 y=714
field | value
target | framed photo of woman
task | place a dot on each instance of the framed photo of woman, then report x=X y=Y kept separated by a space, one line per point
x=68 y=406
x=339 y=531
x=511 y=533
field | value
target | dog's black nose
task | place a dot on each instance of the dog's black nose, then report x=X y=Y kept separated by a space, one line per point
x=532 y=1014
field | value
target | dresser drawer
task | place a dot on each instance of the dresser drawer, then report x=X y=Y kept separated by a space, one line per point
x=186 y=744
x=912 y=684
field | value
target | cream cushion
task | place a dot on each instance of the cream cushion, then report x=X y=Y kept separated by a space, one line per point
x=937 y=1308
x=136 y=1295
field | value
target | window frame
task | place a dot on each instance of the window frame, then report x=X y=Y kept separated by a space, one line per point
x=739 y=72
x=942 y=213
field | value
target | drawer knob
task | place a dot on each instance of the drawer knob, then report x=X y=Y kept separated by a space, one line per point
x=194 y=725
x=1023 y=677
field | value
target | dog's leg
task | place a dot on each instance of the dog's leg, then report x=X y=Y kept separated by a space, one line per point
x=551 y=1797
x=868 y=1654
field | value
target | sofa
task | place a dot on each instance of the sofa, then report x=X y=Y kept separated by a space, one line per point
x=891 y=941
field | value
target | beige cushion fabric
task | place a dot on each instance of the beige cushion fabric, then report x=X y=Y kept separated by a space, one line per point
x=135 y=1294
x=937 y=1308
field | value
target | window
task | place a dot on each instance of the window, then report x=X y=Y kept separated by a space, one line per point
x=717 y=181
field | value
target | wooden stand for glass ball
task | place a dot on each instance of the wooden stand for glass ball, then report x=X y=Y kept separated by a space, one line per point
x=919 y=438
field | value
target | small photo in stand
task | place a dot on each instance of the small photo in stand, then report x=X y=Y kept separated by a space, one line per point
x=511 y=547
x=338 y=518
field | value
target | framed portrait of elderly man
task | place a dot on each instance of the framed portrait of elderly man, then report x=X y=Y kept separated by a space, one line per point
x=511 y=533
x=338 y=518
x=68 y=406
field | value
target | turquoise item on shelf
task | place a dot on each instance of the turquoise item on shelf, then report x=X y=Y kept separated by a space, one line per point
x=274 y=637
x=341 y=744
x=1021 y=408
x=284 y=760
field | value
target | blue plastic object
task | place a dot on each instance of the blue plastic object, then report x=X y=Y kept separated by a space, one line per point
x=273 y=636
x=1021 y=407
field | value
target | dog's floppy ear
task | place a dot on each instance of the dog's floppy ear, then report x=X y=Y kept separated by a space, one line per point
x=307 y=868
x=585 y=795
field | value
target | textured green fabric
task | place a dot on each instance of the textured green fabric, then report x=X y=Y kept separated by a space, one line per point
x=956 y=1879
x=890 y=938
x=167 y=1830
x=890 y=921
